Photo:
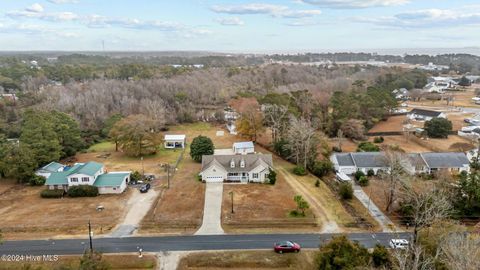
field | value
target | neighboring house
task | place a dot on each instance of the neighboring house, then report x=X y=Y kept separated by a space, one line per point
x=243 y=148
x=175 y=141
x=236 y=168
x=453 y=162
x=349 y=163
x=470 y=132
x=92 y=174
x=424 y=115
x=401 y=94
x=50 y=168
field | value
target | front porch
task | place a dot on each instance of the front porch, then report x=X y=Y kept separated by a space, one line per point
x=241 y=177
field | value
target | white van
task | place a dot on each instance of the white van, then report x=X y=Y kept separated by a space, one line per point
x=399 y=244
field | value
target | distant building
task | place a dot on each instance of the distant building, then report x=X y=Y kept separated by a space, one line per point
x=424 y=115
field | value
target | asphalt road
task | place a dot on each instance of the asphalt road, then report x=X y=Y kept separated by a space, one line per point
x=182 y=243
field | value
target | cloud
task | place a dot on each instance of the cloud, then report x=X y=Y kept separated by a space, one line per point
x=97 y=21
x=299 y=23
x=56 y=16
x=58 y=2
x=269 y=9
x=352 y=4
x=428 y=18
x=35 y=8
x=34 y=29
x=230 y=21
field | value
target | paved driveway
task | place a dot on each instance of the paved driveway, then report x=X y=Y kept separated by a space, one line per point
x=137 y=207
x=386 y=224
x=212 y=210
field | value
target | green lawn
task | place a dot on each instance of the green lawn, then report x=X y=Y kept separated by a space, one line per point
x=102 y=147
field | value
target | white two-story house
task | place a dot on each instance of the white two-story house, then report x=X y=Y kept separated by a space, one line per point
x=236 y=168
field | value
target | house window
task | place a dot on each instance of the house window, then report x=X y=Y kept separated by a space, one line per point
x=232 y=164
x=85 y=179
x=242 y=163
x=255 y=175
x=74 y=179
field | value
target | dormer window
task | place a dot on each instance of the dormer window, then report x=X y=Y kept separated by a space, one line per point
x=232 y=164
x=242 y=163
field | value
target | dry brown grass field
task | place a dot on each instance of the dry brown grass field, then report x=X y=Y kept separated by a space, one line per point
x=24 y=214
x=253 y=260
x=115 y=262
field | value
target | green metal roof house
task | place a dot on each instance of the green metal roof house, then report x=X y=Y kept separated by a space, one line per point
x=90 y=173
x=51 y=167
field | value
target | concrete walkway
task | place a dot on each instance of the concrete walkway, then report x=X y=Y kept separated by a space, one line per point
x=168 y=260
x=212 y=210
x=137 y=207
x=385 y=222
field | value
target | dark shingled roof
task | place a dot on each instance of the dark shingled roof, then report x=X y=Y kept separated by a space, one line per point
x=445 y=160
x=251 y=161
x=370 y=159
x=425 y=112
x=345 y=159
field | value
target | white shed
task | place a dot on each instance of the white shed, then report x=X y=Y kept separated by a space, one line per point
x=175 y=141
x=243 y=148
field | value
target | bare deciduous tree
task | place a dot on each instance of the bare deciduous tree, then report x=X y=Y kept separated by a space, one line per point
x=276 y=117
x=396 y=176
x=302 y=141
x=461 y=251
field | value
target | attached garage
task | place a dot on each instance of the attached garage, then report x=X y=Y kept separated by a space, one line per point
x=112 y=183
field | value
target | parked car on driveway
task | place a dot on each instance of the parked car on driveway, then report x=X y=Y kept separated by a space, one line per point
x=145 y=188
x=286 y=246
x=398 y=243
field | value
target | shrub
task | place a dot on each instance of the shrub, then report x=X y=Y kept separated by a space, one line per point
x=199 y=177
x=363 y=181
x=341 y=253
x=299 y=170
x=336 y=149
x=381 y=257
x=368 y=147
x=378 y=139
x=272 y=177
x=370 y=173
x=37 y=180
x=317 y=183
x=438 y=128
x=281 y=148
x=83 y=191
x=359 y=174
x=201 y=145
x=135 y=176
x=322 y=167
x=51 y=193
x=346 y=191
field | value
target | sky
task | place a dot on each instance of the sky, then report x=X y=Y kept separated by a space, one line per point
x=237 y=26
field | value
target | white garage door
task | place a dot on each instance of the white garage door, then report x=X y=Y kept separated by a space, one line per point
x=214 y=179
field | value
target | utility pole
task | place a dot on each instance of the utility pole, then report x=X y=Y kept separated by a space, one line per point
x=231 y=196
x=168 y=176
x=143 y=169
x=90 y=236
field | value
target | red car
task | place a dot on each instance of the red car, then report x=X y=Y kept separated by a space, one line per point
x=286 y=246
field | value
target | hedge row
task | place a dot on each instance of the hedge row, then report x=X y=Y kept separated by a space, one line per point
x=83 y=191
x=52 y=193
